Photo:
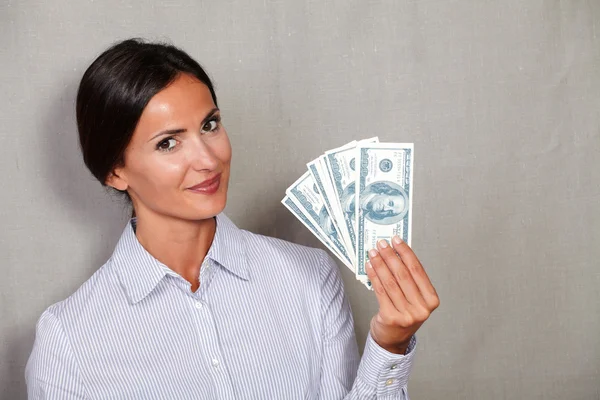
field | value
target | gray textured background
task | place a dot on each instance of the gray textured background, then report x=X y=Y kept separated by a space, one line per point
x=501 y=99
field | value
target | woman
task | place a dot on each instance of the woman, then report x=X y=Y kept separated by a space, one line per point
x=189 y=306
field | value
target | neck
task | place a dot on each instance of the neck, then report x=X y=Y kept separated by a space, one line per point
x=179 y=244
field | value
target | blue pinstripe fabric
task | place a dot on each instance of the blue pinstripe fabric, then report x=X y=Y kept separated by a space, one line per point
x=269 y=321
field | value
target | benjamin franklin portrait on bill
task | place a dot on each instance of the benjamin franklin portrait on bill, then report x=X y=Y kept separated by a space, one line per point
x=382 y=202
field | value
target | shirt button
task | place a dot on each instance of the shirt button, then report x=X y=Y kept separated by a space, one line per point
x=215 y=362
x=198 y=305
x=389 y=382
x=394 y=366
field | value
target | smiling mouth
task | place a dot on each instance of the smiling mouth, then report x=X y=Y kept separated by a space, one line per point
x=209 y=186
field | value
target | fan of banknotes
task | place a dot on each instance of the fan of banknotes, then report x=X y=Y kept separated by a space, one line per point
x=355 y=195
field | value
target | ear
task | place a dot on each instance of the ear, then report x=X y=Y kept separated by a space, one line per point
x=117 y=180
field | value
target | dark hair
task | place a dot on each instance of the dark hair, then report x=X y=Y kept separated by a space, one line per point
x=114 y=91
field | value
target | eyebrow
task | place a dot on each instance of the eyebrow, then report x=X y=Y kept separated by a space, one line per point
x=181 y=130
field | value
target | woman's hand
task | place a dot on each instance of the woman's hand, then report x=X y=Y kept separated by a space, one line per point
x=405 y=294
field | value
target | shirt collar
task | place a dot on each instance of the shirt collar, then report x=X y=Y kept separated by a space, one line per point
x=139 y=272
x=229 y=248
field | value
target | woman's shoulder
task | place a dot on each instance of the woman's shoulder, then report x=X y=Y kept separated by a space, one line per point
x=281 y=247
x=286 y=256
x=77 y=302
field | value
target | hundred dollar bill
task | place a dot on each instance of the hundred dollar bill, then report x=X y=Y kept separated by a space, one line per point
x=325 y=188
x=305 y=193
x=384 y=196
x=319 y=170
x=341 y=164
x=295 y=210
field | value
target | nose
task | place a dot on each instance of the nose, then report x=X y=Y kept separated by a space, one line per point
x=202 y=156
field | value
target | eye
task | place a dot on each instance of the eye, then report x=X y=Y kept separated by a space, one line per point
x=167 y=144
x=391 y=203
x=212 y=125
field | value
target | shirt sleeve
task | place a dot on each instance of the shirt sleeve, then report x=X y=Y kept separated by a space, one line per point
x=379 y=374
x=52 y=371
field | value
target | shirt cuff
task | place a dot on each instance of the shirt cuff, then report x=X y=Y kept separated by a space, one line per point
x=386 y=371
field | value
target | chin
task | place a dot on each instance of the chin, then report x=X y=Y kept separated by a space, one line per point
x=209 y=210
x=197 y=207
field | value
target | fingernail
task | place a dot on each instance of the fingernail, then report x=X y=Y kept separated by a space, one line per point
x=397 y=239
x=369 y=266
x=383 y=243
x=372 y=253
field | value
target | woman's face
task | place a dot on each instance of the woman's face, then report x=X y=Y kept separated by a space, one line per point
x=177 y=163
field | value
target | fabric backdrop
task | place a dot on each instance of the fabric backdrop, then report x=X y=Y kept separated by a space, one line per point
x=501 y=99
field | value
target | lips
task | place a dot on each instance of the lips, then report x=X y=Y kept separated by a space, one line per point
x=208 y=186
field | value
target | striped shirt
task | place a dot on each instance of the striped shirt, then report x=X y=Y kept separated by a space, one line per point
x=270 y=320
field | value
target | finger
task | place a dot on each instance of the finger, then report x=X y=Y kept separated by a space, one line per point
x=401 y=274
x=417 y=272
x=385 y=303
x=388 y=282
x=388 y=313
